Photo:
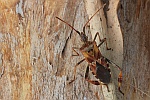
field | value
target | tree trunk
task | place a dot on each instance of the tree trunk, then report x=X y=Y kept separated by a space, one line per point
x=36 y=49
x=134 y=17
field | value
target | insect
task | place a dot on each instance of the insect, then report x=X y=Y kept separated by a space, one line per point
x=97 y=63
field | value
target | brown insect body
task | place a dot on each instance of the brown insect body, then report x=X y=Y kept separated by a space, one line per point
x=97 y=63
x=94 y=57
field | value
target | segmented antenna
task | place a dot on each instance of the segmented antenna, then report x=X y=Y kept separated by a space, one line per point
x=69 y=25
x=92 y=17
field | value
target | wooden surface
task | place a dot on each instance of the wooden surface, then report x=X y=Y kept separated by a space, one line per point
x=36 y=60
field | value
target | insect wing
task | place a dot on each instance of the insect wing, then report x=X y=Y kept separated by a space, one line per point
x=102 y=73
x=96 y=51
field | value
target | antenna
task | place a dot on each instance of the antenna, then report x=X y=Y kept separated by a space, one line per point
x=92 y=17
x=69 y=25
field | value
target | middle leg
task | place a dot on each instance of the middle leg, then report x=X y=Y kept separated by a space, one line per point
x=75 y=70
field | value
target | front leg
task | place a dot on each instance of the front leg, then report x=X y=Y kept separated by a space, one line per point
x=101 y=40
x=77 y=54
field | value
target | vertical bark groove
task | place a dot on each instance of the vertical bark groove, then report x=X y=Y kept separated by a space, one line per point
x=134 y=19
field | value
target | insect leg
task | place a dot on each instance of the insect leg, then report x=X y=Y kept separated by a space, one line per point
x=115 y=65
x=93 y=82
x=119 y=76
x=75 y=70
x=77 y=54
x=107 y=88
x=97 y=96
x=90 y=81
x=119 y=82
x=87 y=72
x=101 y=40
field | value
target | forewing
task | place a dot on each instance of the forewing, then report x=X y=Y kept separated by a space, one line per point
x=96 y=51
x=102 y=73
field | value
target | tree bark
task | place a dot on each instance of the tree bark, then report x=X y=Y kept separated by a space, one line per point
x=36 y=49
x=134 y=17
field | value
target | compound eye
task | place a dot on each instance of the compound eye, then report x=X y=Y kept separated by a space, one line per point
x=91 y=50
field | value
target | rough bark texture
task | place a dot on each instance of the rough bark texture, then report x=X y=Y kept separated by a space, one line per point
x=134 y=17
x=36 y=49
